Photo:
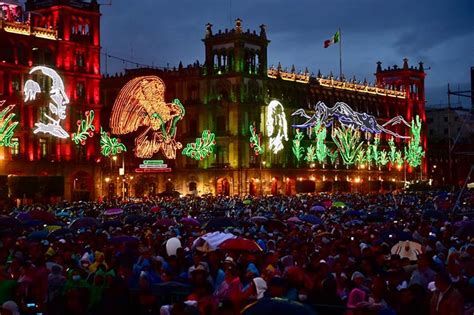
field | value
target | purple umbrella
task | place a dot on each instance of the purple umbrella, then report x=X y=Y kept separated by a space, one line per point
x=317 y=208
x=190 y=221
x=114 y=211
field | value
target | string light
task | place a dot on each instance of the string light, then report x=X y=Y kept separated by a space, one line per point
x=58 y=105
x=348 y=118
x=347 y=139
x=110 y=146
x=277 y=127
x=141 y=103
x=255 y=141
x=85 y=128
x=202 y=147
x=298 y=150
x=7 y=126
x=414 y=153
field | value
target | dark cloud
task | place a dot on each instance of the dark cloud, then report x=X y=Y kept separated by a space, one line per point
x=438 y=32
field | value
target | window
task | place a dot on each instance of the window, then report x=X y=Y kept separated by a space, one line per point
x=80 y=90
x=43 y=145
x=446 y=131
x=15 y=151
x=80 y=60
x=16 y=83
x=221 y=124
x=446 y=119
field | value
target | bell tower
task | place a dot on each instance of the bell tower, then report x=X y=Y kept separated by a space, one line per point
x=236 y=51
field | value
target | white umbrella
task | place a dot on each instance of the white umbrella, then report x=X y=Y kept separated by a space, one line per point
x=407 y=249
x=210 y=241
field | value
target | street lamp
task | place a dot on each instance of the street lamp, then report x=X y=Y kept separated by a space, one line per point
x=261 y=182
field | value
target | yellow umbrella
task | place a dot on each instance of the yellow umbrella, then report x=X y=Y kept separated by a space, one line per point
x=52 y=228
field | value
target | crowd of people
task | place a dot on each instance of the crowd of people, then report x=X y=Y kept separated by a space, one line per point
x=395 y=253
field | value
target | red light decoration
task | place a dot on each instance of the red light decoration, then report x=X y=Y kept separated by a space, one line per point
x=141 y=103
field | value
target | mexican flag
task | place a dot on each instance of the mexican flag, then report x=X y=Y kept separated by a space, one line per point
x=335 y=39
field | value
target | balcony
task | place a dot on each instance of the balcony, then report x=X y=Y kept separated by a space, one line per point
x=27 y=29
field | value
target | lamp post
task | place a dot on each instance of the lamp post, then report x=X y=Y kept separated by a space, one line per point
x=261 y=182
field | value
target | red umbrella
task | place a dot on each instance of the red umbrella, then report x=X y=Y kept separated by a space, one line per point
x=190 y=221
x=42 y=215
x=155 y=209
x=165 y=222
x=240 y=244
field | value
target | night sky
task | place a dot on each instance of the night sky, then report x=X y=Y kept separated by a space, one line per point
x=438 y=32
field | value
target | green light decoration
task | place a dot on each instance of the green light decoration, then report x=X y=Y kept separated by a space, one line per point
x=383 y=158
x=399 y=158
x=322 y=151
x=374 y=150
x=311 y=154
x=333 y=156
x=110 y=146
x=347 y=139
x=414 y=152
x=392 y=155
x=7 y=126
x=255 y=141
x=202 y=147
x=361 y=158
x=298 y=150
x=85 y=128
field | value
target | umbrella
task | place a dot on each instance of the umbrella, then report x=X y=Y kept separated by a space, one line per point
x=136 y=218
x=294 y=220
x=275 y=224
x=165 y=222
x=247 y=202
x=190 y=221
x=52 y=228
x=407 y=249
x=259 y=218
x=60 y=233
x=155 y=209
x=84 y=223
x=123 y=239
x=210 y=241
x=277 y=306
x=42 y=215
x=6 y=221
x=114 y=211
x=375 y=217
x=38 y=235
x=353 y=213
x=466 y=230
x=33 y=223
x=339 y=204
x=317 y=208
x=433 y=214
x=220 y=223
x=327 y=203
x=310 y=218
x=240 y=244
x=354 y=222
x=111 y=223
x=23 y=216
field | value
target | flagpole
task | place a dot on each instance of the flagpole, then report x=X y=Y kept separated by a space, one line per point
x=340 y=54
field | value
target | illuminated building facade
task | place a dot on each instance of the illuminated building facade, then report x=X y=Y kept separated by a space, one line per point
x=231 y=92
x=64 y=36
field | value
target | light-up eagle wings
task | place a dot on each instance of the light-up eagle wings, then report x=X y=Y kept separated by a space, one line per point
x=141 y=103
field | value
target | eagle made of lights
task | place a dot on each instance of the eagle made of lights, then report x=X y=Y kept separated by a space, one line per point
x=57 y=106
x=348 y=118
x=141 y=105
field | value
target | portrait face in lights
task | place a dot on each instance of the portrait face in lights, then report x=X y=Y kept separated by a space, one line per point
x=57 y=104
x=277 y=127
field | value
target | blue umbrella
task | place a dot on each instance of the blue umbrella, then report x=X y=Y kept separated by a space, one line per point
x=33 y=223
x=38 y=235
x=433 y=214
x=84 y=223
x=277 y=306
x=111 y=223
x=123 y=239
x=6 y=221
x=353 y=213
x=310 y=218
x=61 y=233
